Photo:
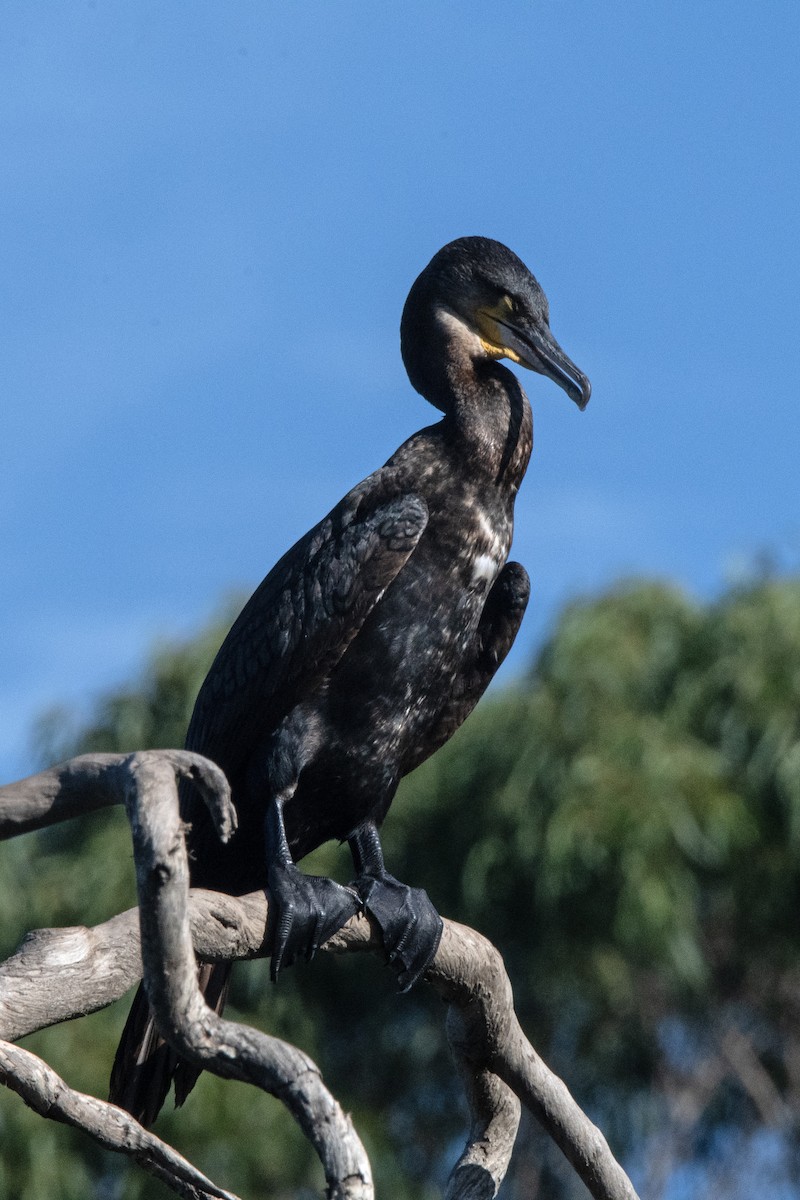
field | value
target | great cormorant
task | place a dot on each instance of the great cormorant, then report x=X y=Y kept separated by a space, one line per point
x=370 y=642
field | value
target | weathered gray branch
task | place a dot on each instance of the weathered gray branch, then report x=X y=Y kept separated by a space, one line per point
x=469 y=974
x=46 y=1093
x=93 y=967
x=90 y=782
x=227 y=1048
x=146 y=783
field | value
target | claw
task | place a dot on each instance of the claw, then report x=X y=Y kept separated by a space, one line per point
x=305 y=910
x=411 y=926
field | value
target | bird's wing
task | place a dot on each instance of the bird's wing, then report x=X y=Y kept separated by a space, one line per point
x=300 y=620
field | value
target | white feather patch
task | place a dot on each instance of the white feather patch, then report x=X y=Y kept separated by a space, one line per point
x=485 y=567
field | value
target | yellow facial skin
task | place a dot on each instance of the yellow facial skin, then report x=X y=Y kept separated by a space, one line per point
x=491 y=335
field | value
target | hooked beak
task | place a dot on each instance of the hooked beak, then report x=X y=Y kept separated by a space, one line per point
x=536 y=348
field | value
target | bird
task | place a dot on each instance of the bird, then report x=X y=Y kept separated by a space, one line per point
x=368 y=644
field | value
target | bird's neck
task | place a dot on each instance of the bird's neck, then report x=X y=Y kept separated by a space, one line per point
x=487 y=415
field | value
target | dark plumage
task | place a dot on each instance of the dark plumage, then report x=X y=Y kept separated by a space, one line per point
x=371 y=641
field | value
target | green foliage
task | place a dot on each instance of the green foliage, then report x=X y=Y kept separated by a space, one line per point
x=624 y=824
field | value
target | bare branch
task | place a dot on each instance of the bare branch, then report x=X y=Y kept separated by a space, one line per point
x=468 y=973
x=86 y=969
x=464 y=972
x=47 y=1094
x=90 y=782
x=147 y=784
x=495 y=1113
x=70 y=789
x=229 y=1049
x=58 y=974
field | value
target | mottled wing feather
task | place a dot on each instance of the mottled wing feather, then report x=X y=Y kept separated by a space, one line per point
x=299 y=622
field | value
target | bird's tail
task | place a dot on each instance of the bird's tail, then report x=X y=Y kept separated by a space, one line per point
x=145 y=1065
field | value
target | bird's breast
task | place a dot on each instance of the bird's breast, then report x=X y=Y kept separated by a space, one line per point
x=487 y=549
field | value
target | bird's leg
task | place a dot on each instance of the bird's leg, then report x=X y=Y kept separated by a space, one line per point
x=304 y=910
x=411 y=926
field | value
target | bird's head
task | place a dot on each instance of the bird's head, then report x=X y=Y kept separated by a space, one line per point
x=481 y=294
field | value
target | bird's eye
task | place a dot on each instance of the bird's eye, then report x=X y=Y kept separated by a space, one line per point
x=508 y=303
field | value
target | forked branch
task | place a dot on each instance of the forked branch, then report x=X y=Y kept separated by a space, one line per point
x=92 y=967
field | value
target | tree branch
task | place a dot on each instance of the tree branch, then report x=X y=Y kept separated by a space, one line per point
x=200 y=1035
x=146 y=783
x=47 y=1094
x=86 y=969
x=90 y=782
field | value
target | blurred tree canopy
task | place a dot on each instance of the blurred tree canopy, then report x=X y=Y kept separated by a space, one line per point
x=623 y=823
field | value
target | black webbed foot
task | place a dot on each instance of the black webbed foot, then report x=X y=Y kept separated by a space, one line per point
x=305 y=910
x=411 y=926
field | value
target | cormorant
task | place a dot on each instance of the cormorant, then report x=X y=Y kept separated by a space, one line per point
x=370 y=642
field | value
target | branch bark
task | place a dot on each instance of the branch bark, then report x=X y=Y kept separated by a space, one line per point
x=147 y=784
x=86 y=969
x=46 y=1093
x=200 y=1035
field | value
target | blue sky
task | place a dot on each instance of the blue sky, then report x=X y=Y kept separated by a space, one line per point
x=212 y=213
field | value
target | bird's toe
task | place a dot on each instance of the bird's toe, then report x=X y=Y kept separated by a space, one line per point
x=410 y=925
x=305 y=911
